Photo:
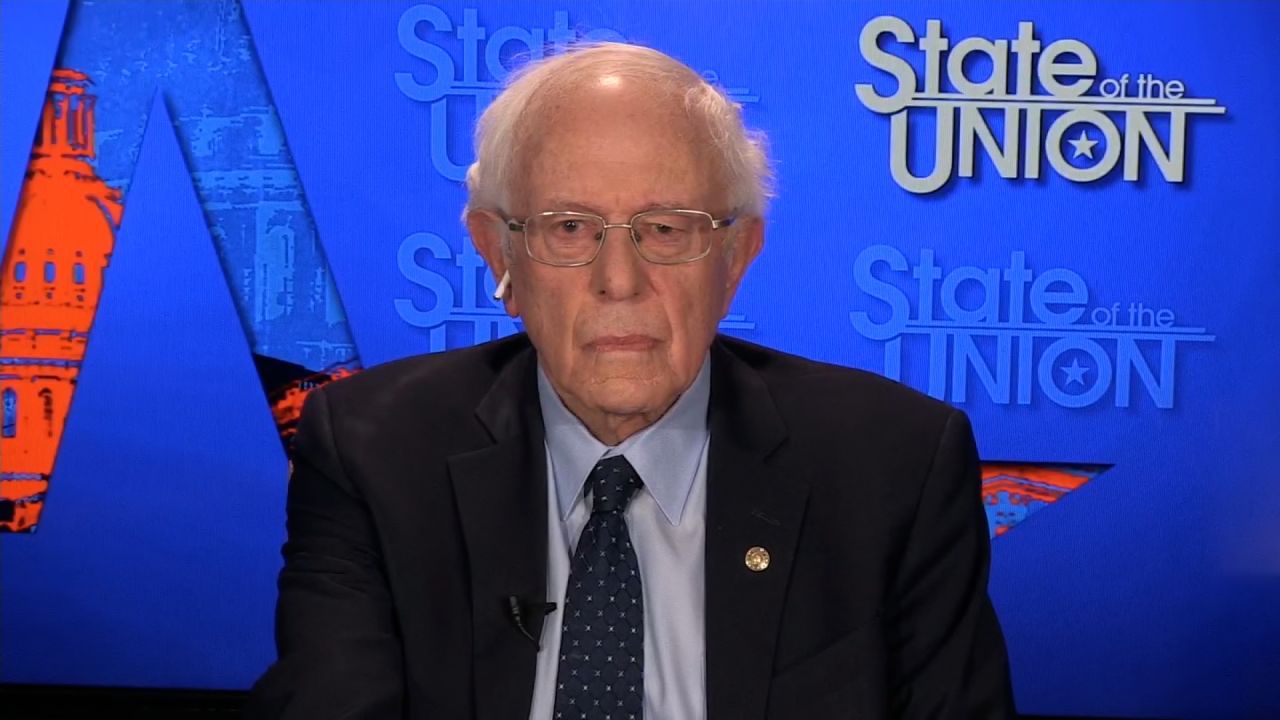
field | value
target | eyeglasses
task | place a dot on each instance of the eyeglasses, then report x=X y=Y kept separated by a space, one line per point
x=573 y=239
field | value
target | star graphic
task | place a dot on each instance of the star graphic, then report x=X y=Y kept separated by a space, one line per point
x=1075 y=371
x=1083 y=146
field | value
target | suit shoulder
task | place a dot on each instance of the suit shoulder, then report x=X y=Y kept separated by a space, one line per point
x=459 y=377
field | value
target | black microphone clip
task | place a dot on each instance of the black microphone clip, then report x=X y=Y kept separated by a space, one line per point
x=518 y=609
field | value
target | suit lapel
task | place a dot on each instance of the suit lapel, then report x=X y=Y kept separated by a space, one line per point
x=501 y=492
x=749 y=504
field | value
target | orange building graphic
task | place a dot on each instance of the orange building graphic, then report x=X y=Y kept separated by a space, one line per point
x=1013 y=490
x=287 y=400
x=50 y=283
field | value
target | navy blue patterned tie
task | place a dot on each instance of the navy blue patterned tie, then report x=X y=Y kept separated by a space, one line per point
x=601 y=675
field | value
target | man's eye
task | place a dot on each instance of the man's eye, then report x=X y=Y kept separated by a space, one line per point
x=569 y=227
x=658 y=229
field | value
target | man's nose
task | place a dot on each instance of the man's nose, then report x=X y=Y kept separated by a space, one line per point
x=618 y=272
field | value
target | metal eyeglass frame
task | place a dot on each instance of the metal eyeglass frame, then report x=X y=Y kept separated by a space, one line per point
x=519 y=226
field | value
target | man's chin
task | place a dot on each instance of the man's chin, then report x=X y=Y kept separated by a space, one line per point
x=629 y=395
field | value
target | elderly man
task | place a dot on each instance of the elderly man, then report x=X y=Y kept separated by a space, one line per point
x=621 y=514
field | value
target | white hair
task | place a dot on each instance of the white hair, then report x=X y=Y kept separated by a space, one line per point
x=502 y=132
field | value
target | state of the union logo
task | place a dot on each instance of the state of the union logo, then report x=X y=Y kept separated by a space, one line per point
x=1081 y=125
x=1014 y=333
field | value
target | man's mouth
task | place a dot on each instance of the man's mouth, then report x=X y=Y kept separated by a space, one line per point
x=622 y=343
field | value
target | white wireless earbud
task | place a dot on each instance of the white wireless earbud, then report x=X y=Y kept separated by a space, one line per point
x=502 y=286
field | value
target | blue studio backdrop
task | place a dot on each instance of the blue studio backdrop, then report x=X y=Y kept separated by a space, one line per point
x=1062 y=217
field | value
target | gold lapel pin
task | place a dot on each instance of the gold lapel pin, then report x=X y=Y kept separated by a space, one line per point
x=757 y=559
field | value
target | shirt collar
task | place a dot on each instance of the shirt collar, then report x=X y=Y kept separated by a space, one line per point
x=666 y=454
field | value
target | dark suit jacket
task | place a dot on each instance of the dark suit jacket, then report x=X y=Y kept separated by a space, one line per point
x=417 y=505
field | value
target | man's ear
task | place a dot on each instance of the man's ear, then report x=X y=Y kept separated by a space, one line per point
x=747 y=242
x=487 y=230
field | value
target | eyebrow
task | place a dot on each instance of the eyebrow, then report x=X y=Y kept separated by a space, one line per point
x=575 y=206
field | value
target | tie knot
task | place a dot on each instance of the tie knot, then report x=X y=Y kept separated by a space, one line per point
x=613 y=481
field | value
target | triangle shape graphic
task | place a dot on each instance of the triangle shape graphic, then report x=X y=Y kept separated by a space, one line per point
x=156 y=559
x=1013 y=491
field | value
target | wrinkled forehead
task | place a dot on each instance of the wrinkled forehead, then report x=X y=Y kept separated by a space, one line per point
x=615 y=130
x=651 y=94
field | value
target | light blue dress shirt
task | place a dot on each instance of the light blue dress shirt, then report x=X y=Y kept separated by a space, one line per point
x=666 y=521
